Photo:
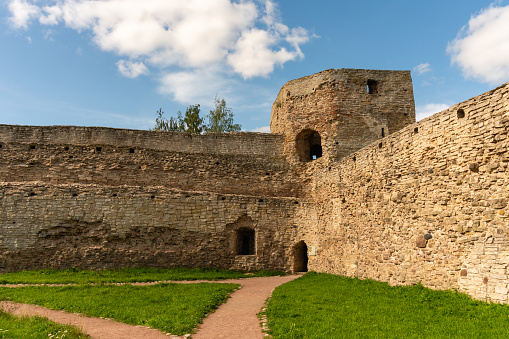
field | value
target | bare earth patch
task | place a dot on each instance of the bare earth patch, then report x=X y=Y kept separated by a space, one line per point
x=237 y=318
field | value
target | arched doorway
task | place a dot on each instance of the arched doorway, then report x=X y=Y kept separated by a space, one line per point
x=300 y=257
x=309 y=145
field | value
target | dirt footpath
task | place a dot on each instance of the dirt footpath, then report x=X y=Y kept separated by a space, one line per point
x=235 y=319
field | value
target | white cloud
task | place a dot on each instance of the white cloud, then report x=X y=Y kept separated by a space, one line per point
x=422 y=68
x=481 y=49
x=243 y=36
x=263 y=129
x=427 y=110
x=132 y=69
x=22 y=13
x=195 y=86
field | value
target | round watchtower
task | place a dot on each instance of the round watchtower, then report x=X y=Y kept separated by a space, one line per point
x=336 y=112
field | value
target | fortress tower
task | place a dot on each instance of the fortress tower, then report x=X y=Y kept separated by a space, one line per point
x=339 y=111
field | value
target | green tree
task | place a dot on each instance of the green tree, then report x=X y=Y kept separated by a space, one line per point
x=193 y=123
x=172 y=124
x=220 y=119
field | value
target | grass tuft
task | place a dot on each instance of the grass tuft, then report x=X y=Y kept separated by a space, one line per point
x=171 y=308
x=36 y=328
x=138 y=274
x=329 y=306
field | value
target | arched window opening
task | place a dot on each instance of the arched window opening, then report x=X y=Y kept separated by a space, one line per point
x=300 y=257
x=245 y=241
x=309 y=145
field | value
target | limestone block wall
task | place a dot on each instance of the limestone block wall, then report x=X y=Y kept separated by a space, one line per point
x=233 y=163
x=89 y=226
x=428 y=204
x=349 y=108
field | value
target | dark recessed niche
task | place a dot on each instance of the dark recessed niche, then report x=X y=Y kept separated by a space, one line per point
x=152 y=197
x=217 y=163
x=98 y=149
x=416 y=130
x=188 y=196
x=13 y=222
x=296 y=203
x=139 y=167
x=31 y=194
x=113 y=195
x=431 y=171
x=32 y=163
x=223 y=198
x=260 y=200
x=75 y=194
x=70 y=157
x=343 y=200
x=354 y=159
x=1 y=145
x=460 y=113
x=267 y=173
x=383 y=132
x=131 y=150
x=372 y=87
x=380 y=145
x=32 y=146
x=330 y=168
x=66 y=148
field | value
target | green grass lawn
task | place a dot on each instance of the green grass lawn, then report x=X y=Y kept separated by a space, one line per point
x=172 y=308
x=328 y=306
x=36 y=328
x=77 y=276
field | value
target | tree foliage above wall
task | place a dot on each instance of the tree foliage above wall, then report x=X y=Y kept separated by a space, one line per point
x=220 y=120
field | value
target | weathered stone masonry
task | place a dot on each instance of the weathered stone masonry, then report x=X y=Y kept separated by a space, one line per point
x=348 y=184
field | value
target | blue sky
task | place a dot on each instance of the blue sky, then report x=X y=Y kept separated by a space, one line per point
x=116 y=62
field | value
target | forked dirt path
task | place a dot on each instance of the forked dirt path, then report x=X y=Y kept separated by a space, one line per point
x=237 y=318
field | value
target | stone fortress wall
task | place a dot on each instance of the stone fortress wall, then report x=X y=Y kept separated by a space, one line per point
x=428 y=204
x=100 y=197
x=347 y=184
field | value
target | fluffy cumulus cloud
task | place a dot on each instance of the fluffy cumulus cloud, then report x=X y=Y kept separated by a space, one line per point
x=243 y=37
x=481 y=49
x=427 y=110
x=422 y=68
x=22 y=12
x=263 y=129
x=131 y=69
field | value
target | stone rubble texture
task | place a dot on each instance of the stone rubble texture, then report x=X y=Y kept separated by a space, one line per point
x=390 y=199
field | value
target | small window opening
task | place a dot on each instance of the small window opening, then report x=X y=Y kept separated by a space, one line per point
x=380 y=145
x=309 y=145
x=1 y=145
x=416 y=130
x=152 y=197
x=460 y=113
x=245 y=241
x=383 y=132
x=131 y=150
x=372 y=86
x=32 y=146
x=98 y=149
x=354 y=159
x=66 y=148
